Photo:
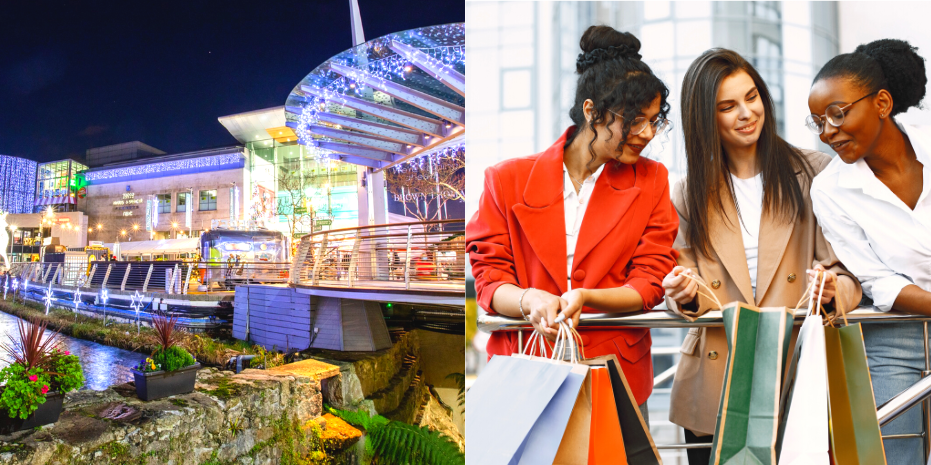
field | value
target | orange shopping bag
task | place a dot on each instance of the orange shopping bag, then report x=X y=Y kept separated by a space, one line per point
x=606 y=445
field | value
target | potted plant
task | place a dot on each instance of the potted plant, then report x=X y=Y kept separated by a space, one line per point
x=37 y=378
x=170 y=370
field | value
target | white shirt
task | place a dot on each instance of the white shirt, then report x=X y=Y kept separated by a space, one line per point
x=575 y=205
x=749 y=196
x=877 y=237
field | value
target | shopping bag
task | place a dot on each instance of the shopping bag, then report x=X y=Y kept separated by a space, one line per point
x=854 y=428
x=505 y=402
x=638 y=442
x=803 y=432
x=606 y=443
x=748 y=415
x=561 y=433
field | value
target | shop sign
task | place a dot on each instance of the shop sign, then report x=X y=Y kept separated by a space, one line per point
x=82 y=192
x=188 y=209
x=415 y=196
x=299 y=210
x=326 y=222
x=318 y=228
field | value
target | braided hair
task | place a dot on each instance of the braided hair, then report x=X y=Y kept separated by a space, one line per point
x=614 y=78
x=886 y=64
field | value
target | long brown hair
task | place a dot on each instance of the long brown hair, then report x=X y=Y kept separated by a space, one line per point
x=707 y=162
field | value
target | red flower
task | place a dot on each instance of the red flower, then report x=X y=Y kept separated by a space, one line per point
x=67 y=352
x=33 y=378
x=44 y=389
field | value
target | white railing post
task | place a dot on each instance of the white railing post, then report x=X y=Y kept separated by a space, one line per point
x=48 y=270
x=187 y=279
x=91 y=277
x=352 y=258
x=148 y=275
x=407 y=258
x=106 y=277
x=320 y=254
x=125 y=277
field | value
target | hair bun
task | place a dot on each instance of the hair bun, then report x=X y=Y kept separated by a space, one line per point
x=903 y=69
x=602 y=43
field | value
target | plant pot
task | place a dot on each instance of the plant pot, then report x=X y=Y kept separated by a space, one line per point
x=157 y=384
x=47 y=413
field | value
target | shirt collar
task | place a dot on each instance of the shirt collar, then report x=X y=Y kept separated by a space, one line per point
x=569 y=188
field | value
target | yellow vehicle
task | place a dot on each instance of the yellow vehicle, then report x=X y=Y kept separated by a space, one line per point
x=96 y=253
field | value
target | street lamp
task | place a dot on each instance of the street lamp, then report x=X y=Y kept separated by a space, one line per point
x=174 y=227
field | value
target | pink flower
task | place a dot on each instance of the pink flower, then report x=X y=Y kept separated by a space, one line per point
x=44 y=389
x=67 y=352
x=33 y=378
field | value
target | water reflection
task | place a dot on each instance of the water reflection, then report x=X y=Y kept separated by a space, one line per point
x=103 y=365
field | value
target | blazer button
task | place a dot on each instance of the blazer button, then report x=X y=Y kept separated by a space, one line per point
x=713 y=355
x=791 y=278
x=494 y=275
x=715 y=284
x=578 y=275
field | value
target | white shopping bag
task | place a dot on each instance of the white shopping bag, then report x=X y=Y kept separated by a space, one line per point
x=805 y=425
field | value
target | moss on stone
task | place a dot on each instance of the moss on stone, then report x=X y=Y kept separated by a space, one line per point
x=179 y=402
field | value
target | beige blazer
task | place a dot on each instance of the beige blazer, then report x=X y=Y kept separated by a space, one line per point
x=786 y=250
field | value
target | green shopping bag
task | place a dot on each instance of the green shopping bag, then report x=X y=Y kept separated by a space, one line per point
x=855 y=435
x=748 y=415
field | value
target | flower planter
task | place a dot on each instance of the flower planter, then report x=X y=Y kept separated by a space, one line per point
x=46 y=413
x=157 y=384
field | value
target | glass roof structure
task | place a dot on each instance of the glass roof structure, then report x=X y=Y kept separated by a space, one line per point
x=387 y=101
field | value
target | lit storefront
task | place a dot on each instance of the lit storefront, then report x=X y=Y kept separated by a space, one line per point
x=56 y=185
x=165 y=197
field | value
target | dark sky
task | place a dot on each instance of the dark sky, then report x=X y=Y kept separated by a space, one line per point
x=81 y=74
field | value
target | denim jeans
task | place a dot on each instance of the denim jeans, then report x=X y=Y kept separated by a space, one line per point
x=895 y=353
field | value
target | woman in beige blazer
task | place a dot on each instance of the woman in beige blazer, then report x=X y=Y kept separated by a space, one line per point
x=746 y=226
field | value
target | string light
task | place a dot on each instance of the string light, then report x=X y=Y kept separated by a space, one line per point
x=77 y=299
x=444 y=46
x=18 y=184
x=155 y=170
x=422 y=163
x=48 y=298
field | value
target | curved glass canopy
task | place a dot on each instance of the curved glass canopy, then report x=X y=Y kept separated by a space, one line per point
x=387 y=101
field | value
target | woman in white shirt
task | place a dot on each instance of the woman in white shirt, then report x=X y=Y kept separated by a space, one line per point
x=873 y=204
x=745 y=225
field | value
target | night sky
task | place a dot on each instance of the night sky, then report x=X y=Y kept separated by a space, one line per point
x=81 y=74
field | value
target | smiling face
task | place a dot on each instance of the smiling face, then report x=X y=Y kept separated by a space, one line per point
x=740 y=112
x=857 y=136
x=607 y=146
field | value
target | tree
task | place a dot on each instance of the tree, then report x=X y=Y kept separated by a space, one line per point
x=294 y=202
x=425 y=184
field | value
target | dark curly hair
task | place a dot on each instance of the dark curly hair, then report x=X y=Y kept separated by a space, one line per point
x=889 y=64
x=613 y=77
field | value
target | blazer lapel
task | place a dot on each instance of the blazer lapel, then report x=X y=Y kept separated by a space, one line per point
x=727 y=241
x=613 y=195
x=774 y=237
x=542 y=215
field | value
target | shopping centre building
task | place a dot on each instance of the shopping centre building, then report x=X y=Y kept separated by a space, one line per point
x=319 y=162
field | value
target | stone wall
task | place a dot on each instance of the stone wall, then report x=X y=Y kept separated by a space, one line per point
x=250 y=418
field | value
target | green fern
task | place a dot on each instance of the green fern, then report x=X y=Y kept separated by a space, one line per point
x=394 y=442
x=459 y=379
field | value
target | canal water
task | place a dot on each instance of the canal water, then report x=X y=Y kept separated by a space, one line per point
x=103 y=365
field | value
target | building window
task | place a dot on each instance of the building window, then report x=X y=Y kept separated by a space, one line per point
x=181 y=206
x=164 y=203
x=208 y=200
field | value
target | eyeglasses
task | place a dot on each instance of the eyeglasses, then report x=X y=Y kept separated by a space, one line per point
x=640 y=123
x=833 y=114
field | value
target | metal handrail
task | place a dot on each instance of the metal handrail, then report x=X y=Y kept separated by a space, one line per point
x=661 y=318
x=422 y=256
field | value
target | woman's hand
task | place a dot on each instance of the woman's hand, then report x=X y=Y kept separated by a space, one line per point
x=679 y=288
x=830 y=284
x=543 y=310
x=573 y=300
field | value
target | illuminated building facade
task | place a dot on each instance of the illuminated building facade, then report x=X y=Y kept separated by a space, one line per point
x=17 y=184
x=57 y=186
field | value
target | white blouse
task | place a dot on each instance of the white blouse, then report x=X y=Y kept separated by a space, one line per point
x=575 y=205
x=748 y=194
x=878 y=238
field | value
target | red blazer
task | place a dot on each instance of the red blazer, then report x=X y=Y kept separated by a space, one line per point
x=518 y=236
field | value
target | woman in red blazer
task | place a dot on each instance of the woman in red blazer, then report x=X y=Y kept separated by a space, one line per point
x=616 y=204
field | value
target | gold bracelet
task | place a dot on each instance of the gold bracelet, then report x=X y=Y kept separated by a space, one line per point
x=520 y=304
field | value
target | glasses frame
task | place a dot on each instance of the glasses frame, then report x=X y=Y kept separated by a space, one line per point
x=810 y=119
x=666 y=124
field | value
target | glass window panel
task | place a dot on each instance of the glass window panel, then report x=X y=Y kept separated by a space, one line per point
x=164 y=203
x=181 y=206
x=208 y=200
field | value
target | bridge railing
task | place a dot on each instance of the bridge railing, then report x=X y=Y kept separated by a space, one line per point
x=885 y=413
x=170 y=277
x=424 y=255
